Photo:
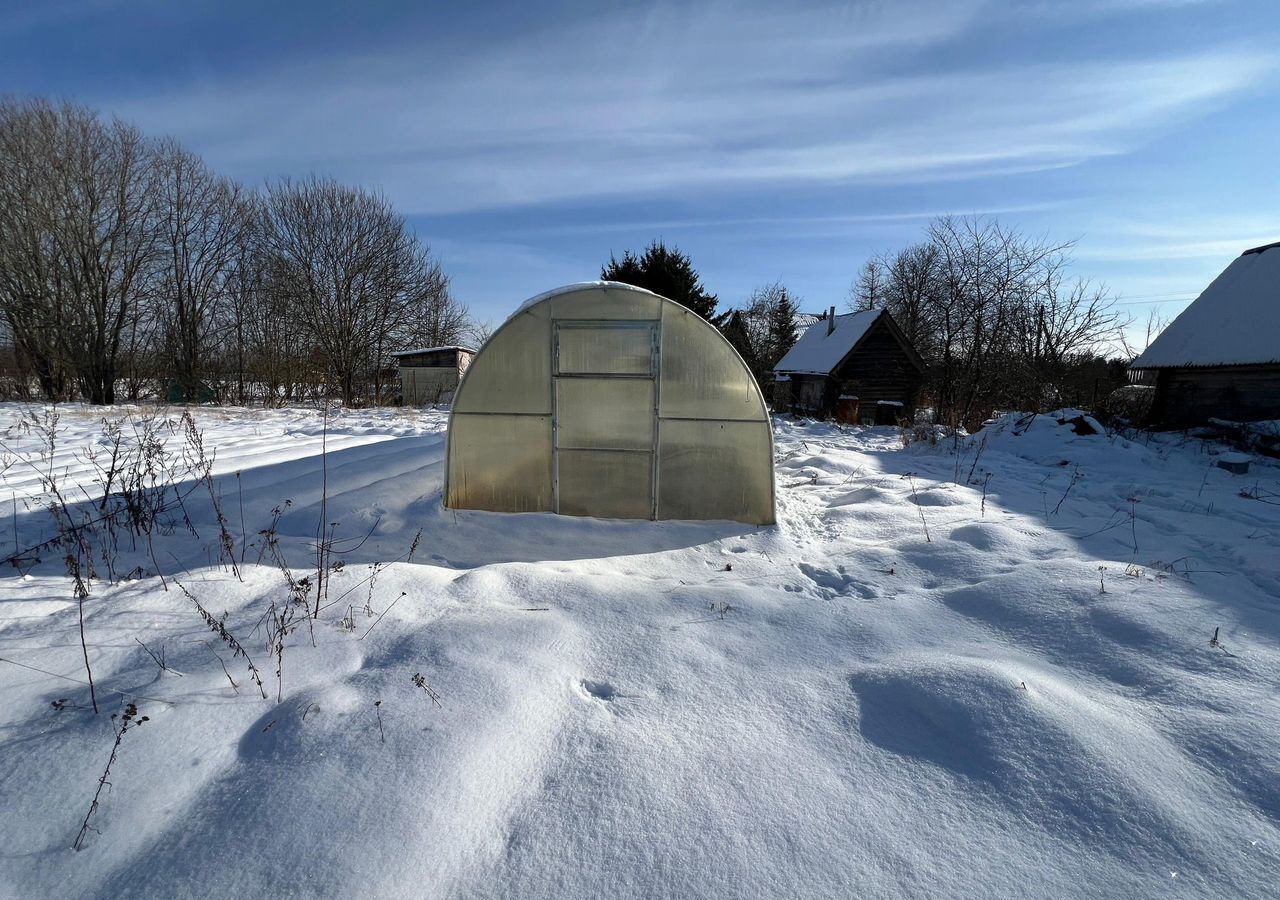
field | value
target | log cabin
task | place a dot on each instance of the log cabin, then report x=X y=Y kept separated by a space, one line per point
x=856 y=368
x=1220 y=358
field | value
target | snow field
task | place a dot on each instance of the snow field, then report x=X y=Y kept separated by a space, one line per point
x=833 y=707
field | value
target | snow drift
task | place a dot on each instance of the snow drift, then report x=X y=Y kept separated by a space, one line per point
x=1023 y=702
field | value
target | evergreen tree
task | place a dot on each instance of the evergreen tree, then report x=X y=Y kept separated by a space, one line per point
x=667 y=272
x=781 y=329
x=737 y=331
x=770 y=321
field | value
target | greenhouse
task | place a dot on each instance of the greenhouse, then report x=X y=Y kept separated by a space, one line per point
x=603 y=399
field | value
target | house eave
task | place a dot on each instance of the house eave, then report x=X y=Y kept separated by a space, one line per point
x=1206 y=366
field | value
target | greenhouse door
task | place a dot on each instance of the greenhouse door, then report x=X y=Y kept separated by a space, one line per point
x=604 y=418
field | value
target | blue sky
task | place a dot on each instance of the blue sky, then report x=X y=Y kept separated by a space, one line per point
x=770 y=141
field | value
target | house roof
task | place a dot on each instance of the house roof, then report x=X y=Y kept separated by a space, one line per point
x=820 y=353
x=430 y=350
x=1235 y=321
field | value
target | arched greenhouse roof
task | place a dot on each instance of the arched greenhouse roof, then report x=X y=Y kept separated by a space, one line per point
x=604 y=399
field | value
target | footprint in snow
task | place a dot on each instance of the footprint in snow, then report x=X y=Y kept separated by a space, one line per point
x=598 y=690
x=832 y=583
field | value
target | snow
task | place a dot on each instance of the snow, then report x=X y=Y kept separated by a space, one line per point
x=1026 y=703
x=430 y=350
x=1236 y=321
x=818 y=353
x=574 y=288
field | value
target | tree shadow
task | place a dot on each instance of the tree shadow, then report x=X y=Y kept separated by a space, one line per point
x=375 y=500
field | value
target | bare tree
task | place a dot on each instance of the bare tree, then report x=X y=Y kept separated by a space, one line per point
x=108 y=215
x=771 y=323
x=992 y=310
x=128 y=262
x=29 y=246
x=239 y=315
x=79 y=240
x=1155 y=324
x=909 y=283
x=355 y=277
x=477 y=333
x=203 y=220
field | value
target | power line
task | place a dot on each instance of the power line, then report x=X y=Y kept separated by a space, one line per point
x=1165 y=294
x=1145 y=302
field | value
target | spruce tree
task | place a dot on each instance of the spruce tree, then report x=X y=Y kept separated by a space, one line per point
x=737 y=333
x=667 y=272
x=781 y=321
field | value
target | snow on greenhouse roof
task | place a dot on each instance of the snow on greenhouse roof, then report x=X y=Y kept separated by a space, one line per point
x=1236 y=321
x=573 y=288
x=818 y=353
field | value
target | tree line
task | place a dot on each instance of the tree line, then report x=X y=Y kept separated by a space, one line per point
x=997 y=316
x=129 y=266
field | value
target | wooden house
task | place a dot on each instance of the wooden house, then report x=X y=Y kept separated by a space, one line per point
x=1220 y=359
x=857 y=368
x=431 y=374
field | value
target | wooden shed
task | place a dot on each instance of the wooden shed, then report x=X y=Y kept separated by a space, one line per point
x=1220 y=359
x=857 y=368
x=431 y=374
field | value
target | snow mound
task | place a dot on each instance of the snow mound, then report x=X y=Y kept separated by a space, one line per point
x=994 y=538
x=1037 y=679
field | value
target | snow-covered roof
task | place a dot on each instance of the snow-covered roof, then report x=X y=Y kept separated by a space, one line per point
x=431 y=350
x=1236 y=321
x=818 y=353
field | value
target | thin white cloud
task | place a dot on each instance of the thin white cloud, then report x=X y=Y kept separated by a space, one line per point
x=1201 y=239
x=789 y=225
x=1093 y=8
x=732 y=97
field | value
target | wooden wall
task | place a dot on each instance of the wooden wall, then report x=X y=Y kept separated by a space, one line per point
x=1239 y=393
x=449 y=357
x=878 y=370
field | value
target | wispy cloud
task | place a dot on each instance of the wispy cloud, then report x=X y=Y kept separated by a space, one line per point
x=647 y=104
x=1193 y=236
x=805 y=225
x=1093 y=8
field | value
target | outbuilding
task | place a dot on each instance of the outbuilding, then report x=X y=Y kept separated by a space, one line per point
x=856 y=368
x=604 y=399
x=1220 y=359
x=431 y=374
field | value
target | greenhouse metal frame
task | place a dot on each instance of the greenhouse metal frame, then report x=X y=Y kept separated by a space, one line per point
x=603 y=399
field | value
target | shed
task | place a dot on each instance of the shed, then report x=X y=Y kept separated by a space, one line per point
x=431 y=374
x=858 y=367
x=1221 y=357
x=603 y=399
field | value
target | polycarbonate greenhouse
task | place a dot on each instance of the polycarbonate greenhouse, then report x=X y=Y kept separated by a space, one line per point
x=603 y=399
